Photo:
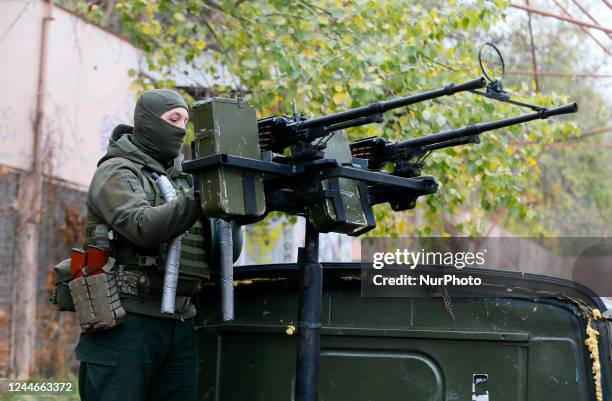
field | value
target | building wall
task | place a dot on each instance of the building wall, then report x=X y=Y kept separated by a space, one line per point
x=86 y=93
x=87 y=89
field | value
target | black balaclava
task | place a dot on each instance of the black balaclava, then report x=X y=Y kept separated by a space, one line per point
x=155 y=136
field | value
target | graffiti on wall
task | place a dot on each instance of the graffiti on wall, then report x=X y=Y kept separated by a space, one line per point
x=108 y=122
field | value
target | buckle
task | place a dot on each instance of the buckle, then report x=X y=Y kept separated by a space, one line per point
x=147 y=260
x=181 y=303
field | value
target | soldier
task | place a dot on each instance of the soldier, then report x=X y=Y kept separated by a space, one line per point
x=150 y=356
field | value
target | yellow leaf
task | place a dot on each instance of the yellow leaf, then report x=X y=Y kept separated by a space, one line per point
x=180 y=39
x=338 y=87
x=150 y=11
x=322 y=20
x=340 y=98
x=509 y=151
x=147 y=29
x=532 y=162
x=348 y=39
x=524 y=86
x=359 y=21
x=179 y=17
x=493 y=165
x=200 y=44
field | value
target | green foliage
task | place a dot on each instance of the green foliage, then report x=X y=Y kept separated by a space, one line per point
x=574 y=194
x=335 y=54
x=263 y=237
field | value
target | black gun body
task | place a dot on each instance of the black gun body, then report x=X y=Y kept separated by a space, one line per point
x=277 y=133
x=476 y=129
x=380 y=152
x=384 y=106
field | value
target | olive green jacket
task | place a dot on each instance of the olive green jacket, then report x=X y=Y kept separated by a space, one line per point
x=117 y=197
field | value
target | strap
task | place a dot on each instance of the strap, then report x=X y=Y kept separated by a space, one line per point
x=143 y=261
x=192 y=242
x=250 y=195
x=367 y=210
x=336 y=197
x=147 y=172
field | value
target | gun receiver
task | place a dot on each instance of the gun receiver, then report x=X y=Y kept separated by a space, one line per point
x=277 y=133
x=378 y=151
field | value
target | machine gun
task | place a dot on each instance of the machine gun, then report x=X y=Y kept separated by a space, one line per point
x=330 y=182
x=277 y=133
x=407 y=156
x=248 y=178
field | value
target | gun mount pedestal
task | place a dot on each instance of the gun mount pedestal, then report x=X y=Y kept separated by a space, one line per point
x=309 y=317
x=292 y=182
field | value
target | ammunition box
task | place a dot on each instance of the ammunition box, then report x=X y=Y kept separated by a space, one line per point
x=348 y=212
x=228 y=126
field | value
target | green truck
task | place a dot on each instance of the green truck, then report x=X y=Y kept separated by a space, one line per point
x=504 y=343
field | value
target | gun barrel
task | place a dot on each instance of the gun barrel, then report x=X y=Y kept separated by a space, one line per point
x=383 y=106
x=476 y=129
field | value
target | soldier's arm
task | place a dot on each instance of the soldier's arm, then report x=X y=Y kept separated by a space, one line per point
x=118 y=197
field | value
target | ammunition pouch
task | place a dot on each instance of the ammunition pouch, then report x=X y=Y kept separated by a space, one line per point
x=96 y=299
x=61 y=293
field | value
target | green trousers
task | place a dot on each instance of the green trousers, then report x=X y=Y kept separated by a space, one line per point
x=143 y=359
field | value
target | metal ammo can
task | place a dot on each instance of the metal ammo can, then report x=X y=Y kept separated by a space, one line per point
x=228 y=126
x=346 y=210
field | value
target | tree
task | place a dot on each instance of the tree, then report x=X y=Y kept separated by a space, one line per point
x=334 y=54
x=574 y=194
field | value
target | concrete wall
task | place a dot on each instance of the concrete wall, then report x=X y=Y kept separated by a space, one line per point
x=86 y=89
x=86 y=93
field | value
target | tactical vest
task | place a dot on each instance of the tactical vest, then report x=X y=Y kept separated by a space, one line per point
x=193 y=259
